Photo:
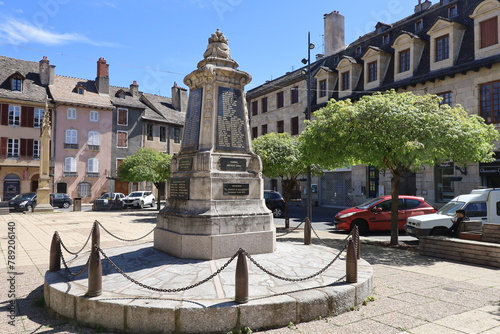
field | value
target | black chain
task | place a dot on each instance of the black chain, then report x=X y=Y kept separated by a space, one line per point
x=126 y=240
x=75 y=253
x=324 y=242
x=67 y=268
x=286 y=233
x=167 y=290
x=293 y=279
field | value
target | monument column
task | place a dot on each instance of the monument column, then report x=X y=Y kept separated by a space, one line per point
x=215 y=199
x=43 y=191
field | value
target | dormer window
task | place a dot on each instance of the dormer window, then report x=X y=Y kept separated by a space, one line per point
x=120 y=94
x=453 y=11
x=79 y=89
x=358 y=51
x=419 y=25
x=386 y=39
x=17 y=84
x=486 y=29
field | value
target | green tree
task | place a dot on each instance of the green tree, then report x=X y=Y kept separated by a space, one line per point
x=397 y=131
x=281 y=158
x=146 y=165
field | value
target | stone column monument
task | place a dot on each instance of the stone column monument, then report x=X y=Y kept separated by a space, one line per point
x=43 y=191
x=215 y=195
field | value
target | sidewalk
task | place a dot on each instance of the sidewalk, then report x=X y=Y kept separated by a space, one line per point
x=412 y=294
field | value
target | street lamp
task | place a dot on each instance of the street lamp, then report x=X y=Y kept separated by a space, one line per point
x=307 y=61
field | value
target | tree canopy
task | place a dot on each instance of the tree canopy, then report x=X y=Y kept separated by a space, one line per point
x=396 y=131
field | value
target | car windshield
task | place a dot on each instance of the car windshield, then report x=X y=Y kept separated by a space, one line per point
x=450 y=208
x=135 y=195
x=23 y=196
x=368 y=203
x=106 y=195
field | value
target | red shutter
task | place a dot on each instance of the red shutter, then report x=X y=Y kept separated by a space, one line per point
x=489 y=32
x=27 y=116
x=29 y=148
x=4 y=114
x=3 y=146
x=23 y=146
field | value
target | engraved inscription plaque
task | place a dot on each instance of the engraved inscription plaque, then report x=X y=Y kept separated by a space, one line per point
x=192 y=124
x=236 y=189
x=185 y=164
x=230 y=120
x=179 y=188
x=233 y=164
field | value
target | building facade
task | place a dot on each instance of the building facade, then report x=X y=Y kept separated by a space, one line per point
x=450 y=48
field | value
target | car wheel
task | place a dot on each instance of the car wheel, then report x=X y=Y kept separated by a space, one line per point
x=362 y=226
x=29 y=208
x=152 y=203
x=440 y=230
x=65 y=205
x=277 y=212
x=141 y=204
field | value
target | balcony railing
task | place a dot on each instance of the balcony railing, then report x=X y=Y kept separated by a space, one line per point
x=74 y=146
x=70 y=174
x=92 y=174
x=93 y=147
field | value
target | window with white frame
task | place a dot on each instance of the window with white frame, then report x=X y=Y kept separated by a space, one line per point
x=36 y=149
x=84 y=189
x=94 y=140
x=122 y=116
x=71 y=136
x=14 y=115
x=94 y=116
x=177 y=135
x=71 y=113
x=93 y=165
x=70 y=165
x=37 y=117
x=13 y=148
x=17 y=84
x=121 y=137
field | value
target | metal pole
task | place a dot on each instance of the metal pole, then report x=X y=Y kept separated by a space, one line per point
x=55 y=254
x=307 y=232
x=308 y=117
x=95 y=265
x=351 y=263
x=241 y=290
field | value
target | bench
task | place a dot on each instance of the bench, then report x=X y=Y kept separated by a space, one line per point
x=484 y=251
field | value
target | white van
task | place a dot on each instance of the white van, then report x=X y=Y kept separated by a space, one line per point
x=480 y=204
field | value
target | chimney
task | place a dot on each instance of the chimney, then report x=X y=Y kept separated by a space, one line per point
x=46 y=72
x=334 y=33
x=102 y=79
x=179 y=98
x=422 y=6
x=134 y=89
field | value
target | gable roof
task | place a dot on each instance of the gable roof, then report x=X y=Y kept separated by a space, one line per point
x=161 y=109
x=63 y=92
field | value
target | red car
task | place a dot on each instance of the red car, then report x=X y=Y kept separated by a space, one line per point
x=375 y=214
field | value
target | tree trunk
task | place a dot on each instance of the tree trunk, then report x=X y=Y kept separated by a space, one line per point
x=288 y=186
x=394 y=207
x=158 y=186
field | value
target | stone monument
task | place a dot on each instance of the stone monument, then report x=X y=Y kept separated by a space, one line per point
x=215 y=194
x=43 y=191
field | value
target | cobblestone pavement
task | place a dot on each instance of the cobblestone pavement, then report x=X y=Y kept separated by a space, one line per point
x=412 y=293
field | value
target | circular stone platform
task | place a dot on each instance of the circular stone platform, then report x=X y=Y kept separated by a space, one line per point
x=209 y=307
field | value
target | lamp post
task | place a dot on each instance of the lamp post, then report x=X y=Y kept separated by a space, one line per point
x=307 y=61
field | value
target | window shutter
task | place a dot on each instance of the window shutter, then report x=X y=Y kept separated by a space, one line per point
x=4 y=114
x=29 y=147
x=489 y=32
x=23 y=147
x=3 y=146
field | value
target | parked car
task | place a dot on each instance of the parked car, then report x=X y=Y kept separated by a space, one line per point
x=60 y=200
x=109 y=201
x=139 y=199
x=375 y=214
x=23 y=202
x=274 y=202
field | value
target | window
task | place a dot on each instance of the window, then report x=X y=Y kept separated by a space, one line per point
x=445 y=187
x=386 y=39
x=177 y=135
x=490 y=102
x=37 y=117
x=255 y=108
x=322 y=88
x=280 y=100
x=447 y=98
x=263 y=103
x=453 y=11
x=122 y=116
x=346 y=81
x=404 y=61
x=372 y=71
x=70 y=165
x=94 y=140
x=280 y=127
x=163 y=133
x=13 y=148
x=442 y=47
x=17 y=84
x=94 y=116
x=71 y=114
x=263 y=129
x=84 y=189
x=295 y=125
x=295 y=95
x=489 y=32
x=358 y=51
x=80 y=90
x=122 y=138
x=149 y=131
x=93 y=166
x=14 y=115
x=255 y=132
x=71 y=138
x=419 y=25
x=36 y=149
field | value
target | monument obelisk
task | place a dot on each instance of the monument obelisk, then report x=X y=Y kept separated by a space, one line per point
x=215 y=199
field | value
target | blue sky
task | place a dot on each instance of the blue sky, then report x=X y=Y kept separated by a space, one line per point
x=157 y=42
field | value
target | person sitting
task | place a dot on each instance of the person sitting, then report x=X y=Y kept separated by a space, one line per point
x=454 y=229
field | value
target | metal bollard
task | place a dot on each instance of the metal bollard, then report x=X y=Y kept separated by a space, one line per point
x=351 y=263
x=307 y=232
x=55 y=254
x=241 y=291
x=355 y=238
x=95 y=265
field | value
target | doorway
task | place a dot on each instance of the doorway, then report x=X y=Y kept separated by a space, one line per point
x=11 y=186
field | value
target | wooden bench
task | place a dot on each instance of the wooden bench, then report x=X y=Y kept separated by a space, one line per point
x=484 y=252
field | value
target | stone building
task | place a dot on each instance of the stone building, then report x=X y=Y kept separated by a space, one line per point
x=450 y=48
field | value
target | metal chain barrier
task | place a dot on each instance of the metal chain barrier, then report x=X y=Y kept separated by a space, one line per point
x=166 y=290
x=324 y=242
x=293 y=279
x=76 y=253
x=66 y=265
x=126 y=240
x=293 y=230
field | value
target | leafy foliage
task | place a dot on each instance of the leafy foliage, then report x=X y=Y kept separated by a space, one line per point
x=145 y=165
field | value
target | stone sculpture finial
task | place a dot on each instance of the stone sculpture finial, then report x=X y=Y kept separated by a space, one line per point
x=217 y=46
x=218 y=37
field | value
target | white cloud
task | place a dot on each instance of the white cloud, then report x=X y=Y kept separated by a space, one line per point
x=19 y=32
